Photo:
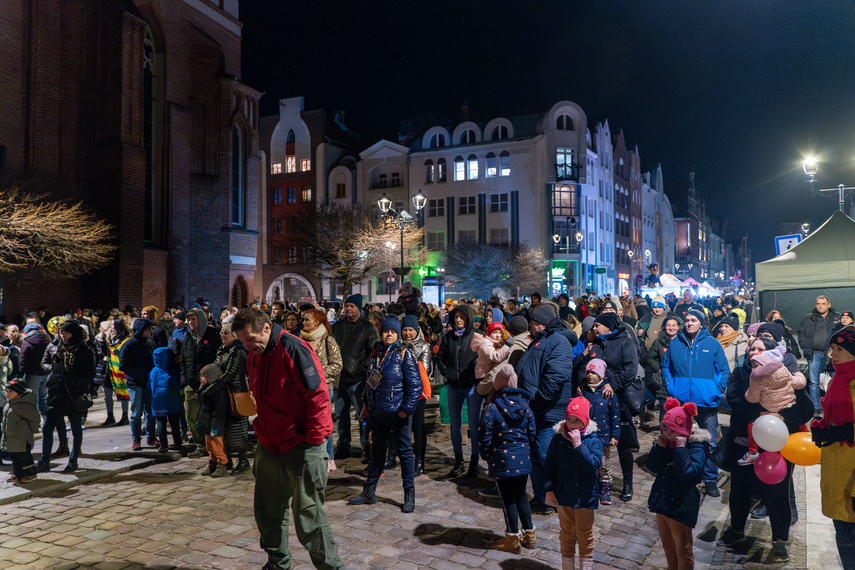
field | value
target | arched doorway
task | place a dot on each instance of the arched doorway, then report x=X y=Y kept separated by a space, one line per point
x=240 y=292
x=290 y=287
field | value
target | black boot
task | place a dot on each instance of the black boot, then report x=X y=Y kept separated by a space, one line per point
x=409 y=501
x=61 y=452
x=366 y=497
x=472 y=472
x=42 y=466
x=418 y=467
x=124 y=421
x=71 y=467
x=242 y=464
x=457 y=469
x=626 y=493
x=111 y=420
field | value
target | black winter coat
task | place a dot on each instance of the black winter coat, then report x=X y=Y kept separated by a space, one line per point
x=815 y=331
x=678 y=471
x=655 y=356
x=135 y=360
x=198 y=353
x=455 y=358
x=356 y=342
x=545 y=371
x=72 y=375
x=571 y=473
x=32 y=351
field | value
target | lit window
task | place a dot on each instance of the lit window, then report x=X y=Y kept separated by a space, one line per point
x=429 y=171
x=565 y=164
x=307 y=193
x=499 y=236
x=290 y=164
x=499 y=203
x=467 y=136
x=466 y=237
x=436 y=241
x=437 y=141
x=305 y=165
x=491 y=170
x=459 y=169
x=467 y=205
x=276 y=168
x=565 y=200
x=292 y=194
x=436 y=208
x=473 y=167
x=505 y=163
x=565 y=123
x=340 y=189
x=441 y=170
x=277 y=196
x=500 y=132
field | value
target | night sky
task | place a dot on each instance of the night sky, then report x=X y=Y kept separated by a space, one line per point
x=741 y=90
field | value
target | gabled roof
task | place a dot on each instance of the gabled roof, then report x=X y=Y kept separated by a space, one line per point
x=383 y=149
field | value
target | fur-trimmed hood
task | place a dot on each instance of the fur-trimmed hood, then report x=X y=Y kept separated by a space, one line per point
x=559 y=428
x=700 y=436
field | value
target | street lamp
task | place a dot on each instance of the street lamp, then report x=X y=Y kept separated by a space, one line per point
x=677 y=267
x=806 y=229
x=810 y=168
x=401 y=219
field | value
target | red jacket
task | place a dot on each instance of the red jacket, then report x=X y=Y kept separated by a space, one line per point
x=291 y=394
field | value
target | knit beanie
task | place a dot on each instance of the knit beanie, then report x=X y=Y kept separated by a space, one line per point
x=598 y=366
x=765 y=357
x=698 y=315
x=505 y=377
x=494 y=326
x=609 y=304
x=658 y=301
x=579 y=407
x=226 y=325
x=774 y=329
x=732 y=321
x=845 y=339
x=391 y=323
x=152 y=311
x=211 y=372
x=410 y=321
x=356 y=299
x=181 y=316
x=543 y=314
x=537 y=296
x=587 y=323
x=17 y=386
x=679 y=418
x=518 y=325
x=752 y=330
x=609 y=320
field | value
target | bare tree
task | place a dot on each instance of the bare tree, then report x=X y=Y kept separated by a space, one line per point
x=482 y=269
x=349 y=243
x=528 y=268
x=41 y=238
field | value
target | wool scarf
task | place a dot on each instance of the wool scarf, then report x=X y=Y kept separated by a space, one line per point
x=726 y=339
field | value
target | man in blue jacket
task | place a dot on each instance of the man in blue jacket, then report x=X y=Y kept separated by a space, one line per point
x=545 y=371
x=695 y=370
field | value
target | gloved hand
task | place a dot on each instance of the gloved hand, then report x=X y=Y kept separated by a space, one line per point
x=826 y=436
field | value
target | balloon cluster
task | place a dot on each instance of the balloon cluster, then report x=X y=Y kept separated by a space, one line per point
x=772 y=435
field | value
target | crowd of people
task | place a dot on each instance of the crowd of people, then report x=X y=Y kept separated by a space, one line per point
x=543 y=389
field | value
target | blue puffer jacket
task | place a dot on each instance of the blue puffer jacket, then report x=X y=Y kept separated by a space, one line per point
x=544 y=371
x=695 y=371
x=678 y=471
x=400 y=381
x=506 y=434
x=605 y=412
x=571 y=473
x=165 y=384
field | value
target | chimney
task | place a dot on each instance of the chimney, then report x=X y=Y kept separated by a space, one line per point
x=464 y=111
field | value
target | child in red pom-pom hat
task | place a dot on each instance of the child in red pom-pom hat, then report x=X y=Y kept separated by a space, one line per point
x=678 y=459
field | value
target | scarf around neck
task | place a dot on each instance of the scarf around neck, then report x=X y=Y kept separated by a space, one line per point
x=726 y=339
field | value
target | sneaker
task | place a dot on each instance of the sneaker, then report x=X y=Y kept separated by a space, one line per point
x=491 y=492
x=136 y=446
x=712 y=490
x=605 y=497
x=163 y=449
x=152 y=443
x=779 y=552
x=197 y=453
x=730 y=537
x=538 y=508
x=12 y=479
x=27 y=479
x=759 y=512
x=748 y=459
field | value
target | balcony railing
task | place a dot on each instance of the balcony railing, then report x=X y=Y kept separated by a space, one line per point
x=567 y=172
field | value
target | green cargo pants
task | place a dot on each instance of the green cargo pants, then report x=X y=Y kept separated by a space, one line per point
x=297 y=478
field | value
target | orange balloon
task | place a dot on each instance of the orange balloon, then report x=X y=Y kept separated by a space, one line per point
x=801 y=450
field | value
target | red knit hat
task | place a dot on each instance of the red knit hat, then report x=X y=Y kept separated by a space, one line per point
x=679 y=418
x=579 y=407
x=493 y=326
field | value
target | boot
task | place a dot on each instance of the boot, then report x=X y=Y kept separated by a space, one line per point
x=61 y=452
x=209 y=468
x=409 y=501
x=42 y=466
x=124 y=421
x=586 y=563
x=568 y=563
x=71 y=467
x=605 y=493
x=511 y=543
x=457 y=469
x=418 y=467
x=219 y=471
x=230 y=464
x=529 y=540
x=111 y=420
x=444 y=433
x=242 y=465
x=366 y=497
x=626 y=493
x=472 y=472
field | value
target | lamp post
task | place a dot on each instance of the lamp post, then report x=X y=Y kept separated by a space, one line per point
x=579 y=236
x=810 y=168
x=401 y=219
x=631 y=254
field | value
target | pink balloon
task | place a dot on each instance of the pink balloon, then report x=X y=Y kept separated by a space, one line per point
x=771 y=467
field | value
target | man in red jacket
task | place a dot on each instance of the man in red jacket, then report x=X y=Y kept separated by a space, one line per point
x=294 y=419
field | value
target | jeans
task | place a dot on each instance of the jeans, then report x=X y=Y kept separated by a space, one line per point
x=515 y=503
x=174 y=423
x=845 y=536
x=538 y=462
x=53 y=418
x=707 y=419
x=398 y=430
x=38 y=384
x=456 y=399
x=108 y=401
x=816 y=367
x=141 y=403
x=349 y=394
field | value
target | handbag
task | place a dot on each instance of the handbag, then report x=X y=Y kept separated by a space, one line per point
x=242 y=404
x=637 y=396
x=82 y=403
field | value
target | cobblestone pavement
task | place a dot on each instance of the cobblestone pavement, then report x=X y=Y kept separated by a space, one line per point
x=167 y=515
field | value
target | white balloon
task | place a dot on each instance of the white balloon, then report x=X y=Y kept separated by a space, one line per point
x=770 y=433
